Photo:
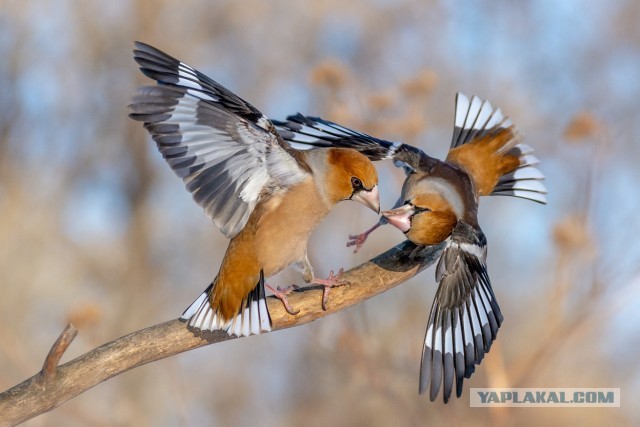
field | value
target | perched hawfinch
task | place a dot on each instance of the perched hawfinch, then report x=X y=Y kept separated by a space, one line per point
x=264 y=195
x=439 y=202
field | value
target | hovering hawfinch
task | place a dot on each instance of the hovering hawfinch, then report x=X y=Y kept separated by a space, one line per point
x=439 y=203
x=264 y=195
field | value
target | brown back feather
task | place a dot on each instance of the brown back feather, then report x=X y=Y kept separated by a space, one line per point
x=238 y=275
x=481 y=158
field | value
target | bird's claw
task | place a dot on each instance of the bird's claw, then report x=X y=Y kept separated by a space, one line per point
x=357 y=240
x=281 y=294
x=328 y=283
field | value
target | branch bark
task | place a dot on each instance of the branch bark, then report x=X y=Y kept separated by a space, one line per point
x=54 y=385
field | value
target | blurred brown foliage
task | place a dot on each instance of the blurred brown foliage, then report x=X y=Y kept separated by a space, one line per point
x=584 y=125
x=95 y=229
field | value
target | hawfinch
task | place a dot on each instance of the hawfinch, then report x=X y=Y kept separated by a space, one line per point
x=439 y=203
x=260 y=192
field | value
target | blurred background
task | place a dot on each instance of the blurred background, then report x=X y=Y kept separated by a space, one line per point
x=95 y=229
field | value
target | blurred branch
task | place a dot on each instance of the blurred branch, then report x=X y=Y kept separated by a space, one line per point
x=61 y=345
x=55 y=385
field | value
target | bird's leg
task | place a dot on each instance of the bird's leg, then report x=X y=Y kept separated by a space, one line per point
x=281 y=294
x=358 y=240
x=329 y=283
x=304 y=267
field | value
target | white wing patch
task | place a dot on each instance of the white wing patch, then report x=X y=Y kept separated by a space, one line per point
x=254 y=185
x=219 y=144
x=479 y=252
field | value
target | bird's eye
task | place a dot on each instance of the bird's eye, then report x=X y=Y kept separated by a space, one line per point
x=356 y=183
x=420 y=210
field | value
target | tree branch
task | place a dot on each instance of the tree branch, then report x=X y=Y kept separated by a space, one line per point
x=50 y=366
x=54 y=385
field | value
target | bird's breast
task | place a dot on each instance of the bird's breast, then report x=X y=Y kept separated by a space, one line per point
x=285 y=225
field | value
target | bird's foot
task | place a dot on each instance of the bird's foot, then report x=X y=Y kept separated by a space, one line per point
x=281 y=294
x=358 y=240
x=329 y=283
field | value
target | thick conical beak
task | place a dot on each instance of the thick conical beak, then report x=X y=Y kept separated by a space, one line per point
x=369 y=198
x=400 y=217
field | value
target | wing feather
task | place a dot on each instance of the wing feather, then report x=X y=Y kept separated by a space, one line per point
x=225 y=150
x=306 y=131
x=464 y=318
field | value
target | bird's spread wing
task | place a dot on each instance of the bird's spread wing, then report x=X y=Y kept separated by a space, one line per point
x=304 y=132
x=488 y=146
x=465 y=316
x=227 y=152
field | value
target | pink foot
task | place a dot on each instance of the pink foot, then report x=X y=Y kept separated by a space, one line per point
x=329 y=283
x=281 y=294
x=358 y=240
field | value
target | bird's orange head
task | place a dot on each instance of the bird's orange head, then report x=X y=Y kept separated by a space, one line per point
x=352 y=176
x=426 y=219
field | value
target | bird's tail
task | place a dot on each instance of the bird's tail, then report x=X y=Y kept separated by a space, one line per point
x=525 y=181
x=488 y=146
x=251 y=319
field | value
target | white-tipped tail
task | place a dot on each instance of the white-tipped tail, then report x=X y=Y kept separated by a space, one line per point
x=475 y=117
x=526 y=181
x=252 y=318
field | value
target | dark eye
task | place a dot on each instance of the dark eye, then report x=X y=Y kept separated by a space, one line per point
x=420 y=210
x=356 y=183
x=416 y=209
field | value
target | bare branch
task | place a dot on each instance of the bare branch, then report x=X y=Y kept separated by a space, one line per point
x=50 y=366
x=52 y=387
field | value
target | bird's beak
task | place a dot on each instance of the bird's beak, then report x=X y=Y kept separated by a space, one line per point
x=400 y=217
x=369 y=198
